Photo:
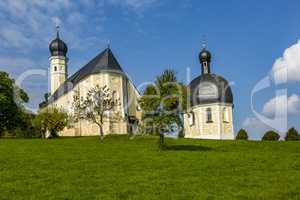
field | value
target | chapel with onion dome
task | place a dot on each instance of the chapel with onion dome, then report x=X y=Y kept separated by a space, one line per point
x=210 y=110
x=103 y=70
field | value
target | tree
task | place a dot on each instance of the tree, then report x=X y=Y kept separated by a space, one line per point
x=292 y=135
x=52 y=120
x=271 y=136
x=97 y=106
x=12 y=99
x=163 y=104
x=242 y=135
x=26 y=128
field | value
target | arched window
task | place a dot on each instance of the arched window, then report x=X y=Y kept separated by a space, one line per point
x=209 y=115
x=225 y=115
x=55 y=68
x=205 y=67
x=191 y=118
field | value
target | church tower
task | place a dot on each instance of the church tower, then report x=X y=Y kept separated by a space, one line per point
x=58 y=62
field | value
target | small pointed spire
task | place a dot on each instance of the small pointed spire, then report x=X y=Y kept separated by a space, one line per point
x=57 y=31
x=108 y=44
x=204 y=42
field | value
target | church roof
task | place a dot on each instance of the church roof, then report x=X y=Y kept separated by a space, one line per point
x=210 y=88
x=103 y=62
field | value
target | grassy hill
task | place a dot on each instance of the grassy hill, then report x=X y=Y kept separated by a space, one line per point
x=120 y=168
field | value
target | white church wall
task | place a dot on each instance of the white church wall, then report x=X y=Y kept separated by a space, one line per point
x=216 y=129
x=113 y=126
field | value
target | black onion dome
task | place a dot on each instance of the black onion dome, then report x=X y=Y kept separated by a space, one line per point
x=210 y=88
x=205 y=56
x=58 y=47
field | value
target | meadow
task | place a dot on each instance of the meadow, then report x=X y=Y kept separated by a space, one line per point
x=123 y=168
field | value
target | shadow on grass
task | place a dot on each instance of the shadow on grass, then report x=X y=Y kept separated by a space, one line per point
x=185 y=148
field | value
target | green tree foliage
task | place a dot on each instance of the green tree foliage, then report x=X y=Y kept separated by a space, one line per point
x=242 y=135
x=26 y=128
x=292 y=135
x=98 y=105
x=271 y=136
x=12 y=99
x=163 y=103
x=51 y=119
x=45 y=102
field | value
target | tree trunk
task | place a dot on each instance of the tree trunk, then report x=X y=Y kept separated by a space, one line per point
x=101 y=133
x=162 y=140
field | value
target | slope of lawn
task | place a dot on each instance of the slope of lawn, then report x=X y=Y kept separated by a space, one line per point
x=120 y=168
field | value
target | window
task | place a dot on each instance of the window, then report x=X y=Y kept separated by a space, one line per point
x=225 y=115
x=208 y=115
x=191 y=118
x=55 y=68
x=205 y=67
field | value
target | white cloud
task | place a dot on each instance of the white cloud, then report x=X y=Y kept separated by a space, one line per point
x=76 y=18
x=24 y=23
x=256 y=128
x=135 y=4
x=13 y=64
x=276 y=110
x=287 y=67
x=12 y=37
x=29 y=25
x=291 y=105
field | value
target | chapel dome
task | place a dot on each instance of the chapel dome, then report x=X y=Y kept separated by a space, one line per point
x=58 y=47
x=210 y=88
x=205 y=56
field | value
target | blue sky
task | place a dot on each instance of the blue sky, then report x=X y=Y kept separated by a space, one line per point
x=148 y=36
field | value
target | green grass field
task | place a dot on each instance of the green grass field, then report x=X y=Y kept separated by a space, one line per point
x=83 y=168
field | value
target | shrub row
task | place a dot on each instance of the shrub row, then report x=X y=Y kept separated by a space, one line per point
x=291 y=135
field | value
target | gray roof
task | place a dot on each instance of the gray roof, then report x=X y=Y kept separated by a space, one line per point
x=103 y=62
x=58 y=47
x=223 y=93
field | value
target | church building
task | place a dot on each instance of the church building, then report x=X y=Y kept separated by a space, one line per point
x=103 y=70
x=210 y=113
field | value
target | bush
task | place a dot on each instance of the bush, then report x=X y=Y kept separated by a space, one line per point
x=51 y=119
x=23 y=128
x=292 y=135
x=271 y=136
x=242 y=135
